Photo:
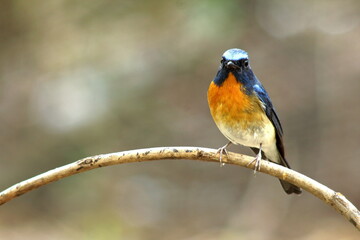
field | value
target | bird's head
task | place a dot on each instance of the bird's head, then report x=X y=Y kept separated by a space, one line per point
x=235 y=60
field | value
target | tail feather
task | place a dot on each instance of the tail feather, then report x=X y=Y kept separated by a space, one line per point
x=288 y=187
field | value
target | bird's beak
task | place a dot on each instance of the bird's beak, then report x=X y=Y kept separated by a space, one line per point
x=231 y=65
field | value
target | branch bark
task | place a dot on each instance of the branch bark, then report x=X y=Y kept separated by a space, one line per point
x=332 y=198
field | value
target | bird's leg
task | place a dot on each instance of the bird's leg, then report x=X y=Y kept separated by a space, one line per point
x=257 y=161
x=222 y=151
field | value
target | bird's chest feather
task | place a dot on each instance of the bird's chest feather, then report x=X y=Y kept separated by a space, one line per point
x=239 y=116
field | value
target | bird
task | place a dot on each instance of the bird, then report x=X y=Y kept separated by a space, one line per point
x=243 y=112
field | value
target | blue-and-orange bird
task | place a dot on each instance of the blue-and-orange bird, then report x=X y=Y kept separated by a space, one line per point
x=243 y=112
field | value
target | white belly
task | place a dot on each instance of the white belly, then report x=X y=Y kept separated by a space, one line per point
x=253 y=136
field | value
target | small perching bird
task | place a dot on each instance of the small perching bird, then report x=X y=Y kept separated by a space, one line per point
x=243 y=112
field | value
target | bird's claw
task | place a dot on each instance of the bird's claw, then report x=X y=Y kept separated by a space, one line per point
x=222 y=151
x=257 y=161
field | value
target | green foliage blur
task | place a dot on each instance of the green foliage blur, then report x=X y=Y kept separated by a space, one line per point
x=80 y=78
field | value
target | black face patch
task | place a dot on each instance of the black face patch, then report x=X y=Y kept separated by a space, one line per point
x=221 y=76
x=243 y=74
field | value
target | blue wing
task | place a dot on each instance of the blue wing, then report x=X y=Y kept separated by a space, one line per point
x=271 y=114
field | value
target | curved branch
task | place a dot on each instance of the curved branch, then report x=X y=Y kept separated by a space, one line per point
x=334 y=199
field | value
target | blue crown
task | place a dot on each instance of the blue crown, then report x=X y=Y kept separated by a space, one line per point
x=235 y=54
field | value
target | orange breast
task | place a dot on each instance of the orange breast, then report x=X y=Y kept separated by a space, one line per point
x=230 y=105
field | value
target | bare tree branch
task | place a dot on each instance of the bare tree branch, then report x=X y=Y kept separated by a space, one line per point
x=334 y=199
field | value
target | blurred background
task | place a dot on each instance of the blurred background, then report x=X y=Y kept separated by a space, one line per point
x=80 y=78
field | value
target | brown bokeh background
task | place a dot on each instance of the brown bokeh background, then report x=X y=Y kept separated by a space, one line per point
x=79 y=78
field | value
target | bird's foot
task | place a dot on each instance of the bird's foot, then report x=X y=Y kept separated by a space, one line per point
x=222 y=151
x=257 y=161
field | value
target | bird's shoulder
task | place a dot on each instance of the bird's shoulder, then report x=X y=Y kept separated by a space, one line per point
x=268 y=107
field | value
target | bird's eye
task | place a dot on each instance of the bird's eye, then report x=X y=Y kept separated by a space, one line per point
x=222 y=60
x=246 y=63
